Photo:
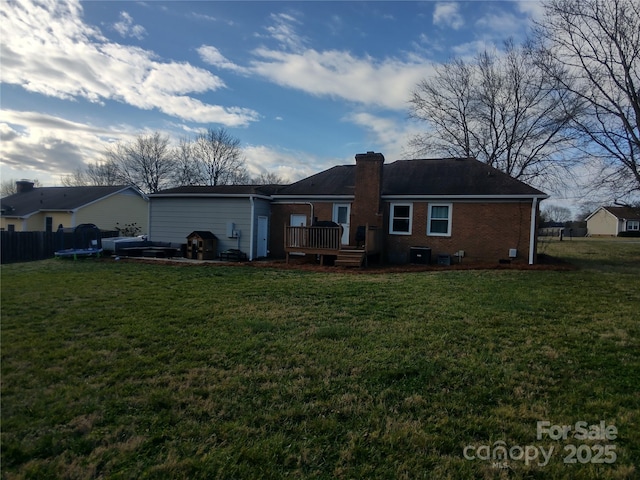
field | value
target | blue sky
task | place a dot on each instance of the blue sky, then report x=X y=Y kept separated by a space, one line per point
x=303 y=85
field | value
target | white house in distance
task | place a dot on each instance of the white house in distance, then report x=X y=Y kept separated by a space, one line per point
x=610 y=221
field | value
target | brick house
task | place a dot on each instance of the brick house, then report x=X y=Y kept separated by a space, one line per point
x=455 y=207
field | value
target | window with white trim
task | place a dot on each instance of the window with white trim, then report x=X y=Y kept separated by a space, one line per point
x=439 y=219
x=633 y=225
x=400 y=218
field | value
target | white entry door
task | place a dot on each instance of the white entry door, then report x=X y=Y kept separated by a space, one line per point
x=263 y=231
x=341 y=214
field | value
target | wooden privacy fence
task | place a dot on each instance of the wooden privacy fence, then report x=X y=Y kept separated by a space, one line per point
x=31 y=246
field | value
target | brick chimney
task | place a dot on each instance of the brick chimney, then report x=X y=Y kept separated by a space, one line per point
x=367 y=205
x=23 y=186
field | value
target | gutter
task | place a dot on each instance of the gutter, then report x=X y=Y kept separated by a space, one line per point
x=532 y=231
x=497 y=198
x=208 y=195
x=251 y=229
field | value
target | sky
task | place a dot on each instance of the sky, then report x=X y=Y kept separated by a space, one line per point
x=304 y=85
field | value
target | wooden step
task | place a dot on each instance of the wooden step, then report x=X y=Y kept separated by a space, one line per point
x=350 y=258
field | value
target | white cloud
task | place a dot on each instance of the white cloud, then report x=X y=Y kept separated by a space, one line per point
x=535 y=10
x=390 y=135
x=448 y=14
x=339 y=74
x=289 y=165
x=212 y=56
x=502 y=24
x=471 y=49
x=49 y=50
x=48 y=146
x=126 y=28
x=284 y=32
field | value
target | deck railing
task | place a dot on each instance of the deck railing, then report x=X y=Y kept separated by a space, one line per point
x=312 y=239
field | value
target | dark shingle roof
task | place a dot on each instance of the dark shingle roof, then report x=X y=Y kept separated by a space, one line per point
x=54 y=198
x=628 y=213
x=448 y=176
x=339 y=180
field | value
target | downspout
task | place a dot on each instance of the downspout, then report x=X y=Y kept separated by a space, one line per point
x=149 y=219
x=312 y=213
x=253 y=208
x=532 y=231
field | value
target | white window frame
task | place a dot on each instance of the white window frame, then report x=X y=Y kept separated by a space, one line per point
x=449 y=210
x=392 y=217
x=633 y=225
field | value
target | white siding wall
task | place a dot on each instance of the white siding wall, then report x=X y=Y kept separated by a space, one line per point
x=172 y=219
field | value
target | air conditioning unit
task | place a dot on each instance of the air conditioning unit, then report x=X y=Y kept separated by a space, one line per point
x=420 y=255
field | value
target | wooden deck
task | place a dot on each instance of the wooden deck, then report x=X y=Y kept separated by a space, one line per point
x=324 y=241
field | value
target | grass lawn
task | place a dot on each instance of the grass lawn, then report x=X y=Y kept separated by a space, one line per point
x=134 y=370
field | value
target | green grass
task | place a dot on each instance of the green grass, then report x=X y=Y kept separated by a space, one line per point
x=131 y=370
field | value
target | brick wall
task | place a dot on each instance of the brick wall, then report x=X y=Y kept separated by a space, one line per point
x=485 y=231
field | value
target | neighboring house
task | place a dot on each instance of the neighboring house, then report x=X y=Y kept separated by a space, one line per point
x=610 y=221
x=46 y=208
x=238 y=215
x=452 y=206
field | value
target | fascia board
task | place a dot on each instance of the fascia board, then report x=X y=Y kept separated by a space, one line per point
x=309 y=198
x=464 y=197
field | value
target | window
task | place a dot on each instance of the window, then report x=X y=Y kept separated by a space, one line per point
x=633 y=225
x=400 y=218
x=439 y=220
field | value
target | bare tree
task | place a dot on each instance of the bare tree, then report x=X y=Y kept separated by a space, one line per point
x=500 y=109
x=219 y=158
x=555 y=213
x=591 y=48
x=268 y=178
x=76 y=179
x=146 y=162
x=97 y=174
x=105 y=172
x=186 y=169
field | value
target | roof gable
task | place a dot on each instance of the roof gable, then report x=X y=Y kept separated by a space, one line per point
x=57 y=199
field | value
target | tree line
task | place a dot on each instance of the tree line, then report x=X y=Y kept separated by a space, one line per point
x=569 y=95
x=150 y=163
